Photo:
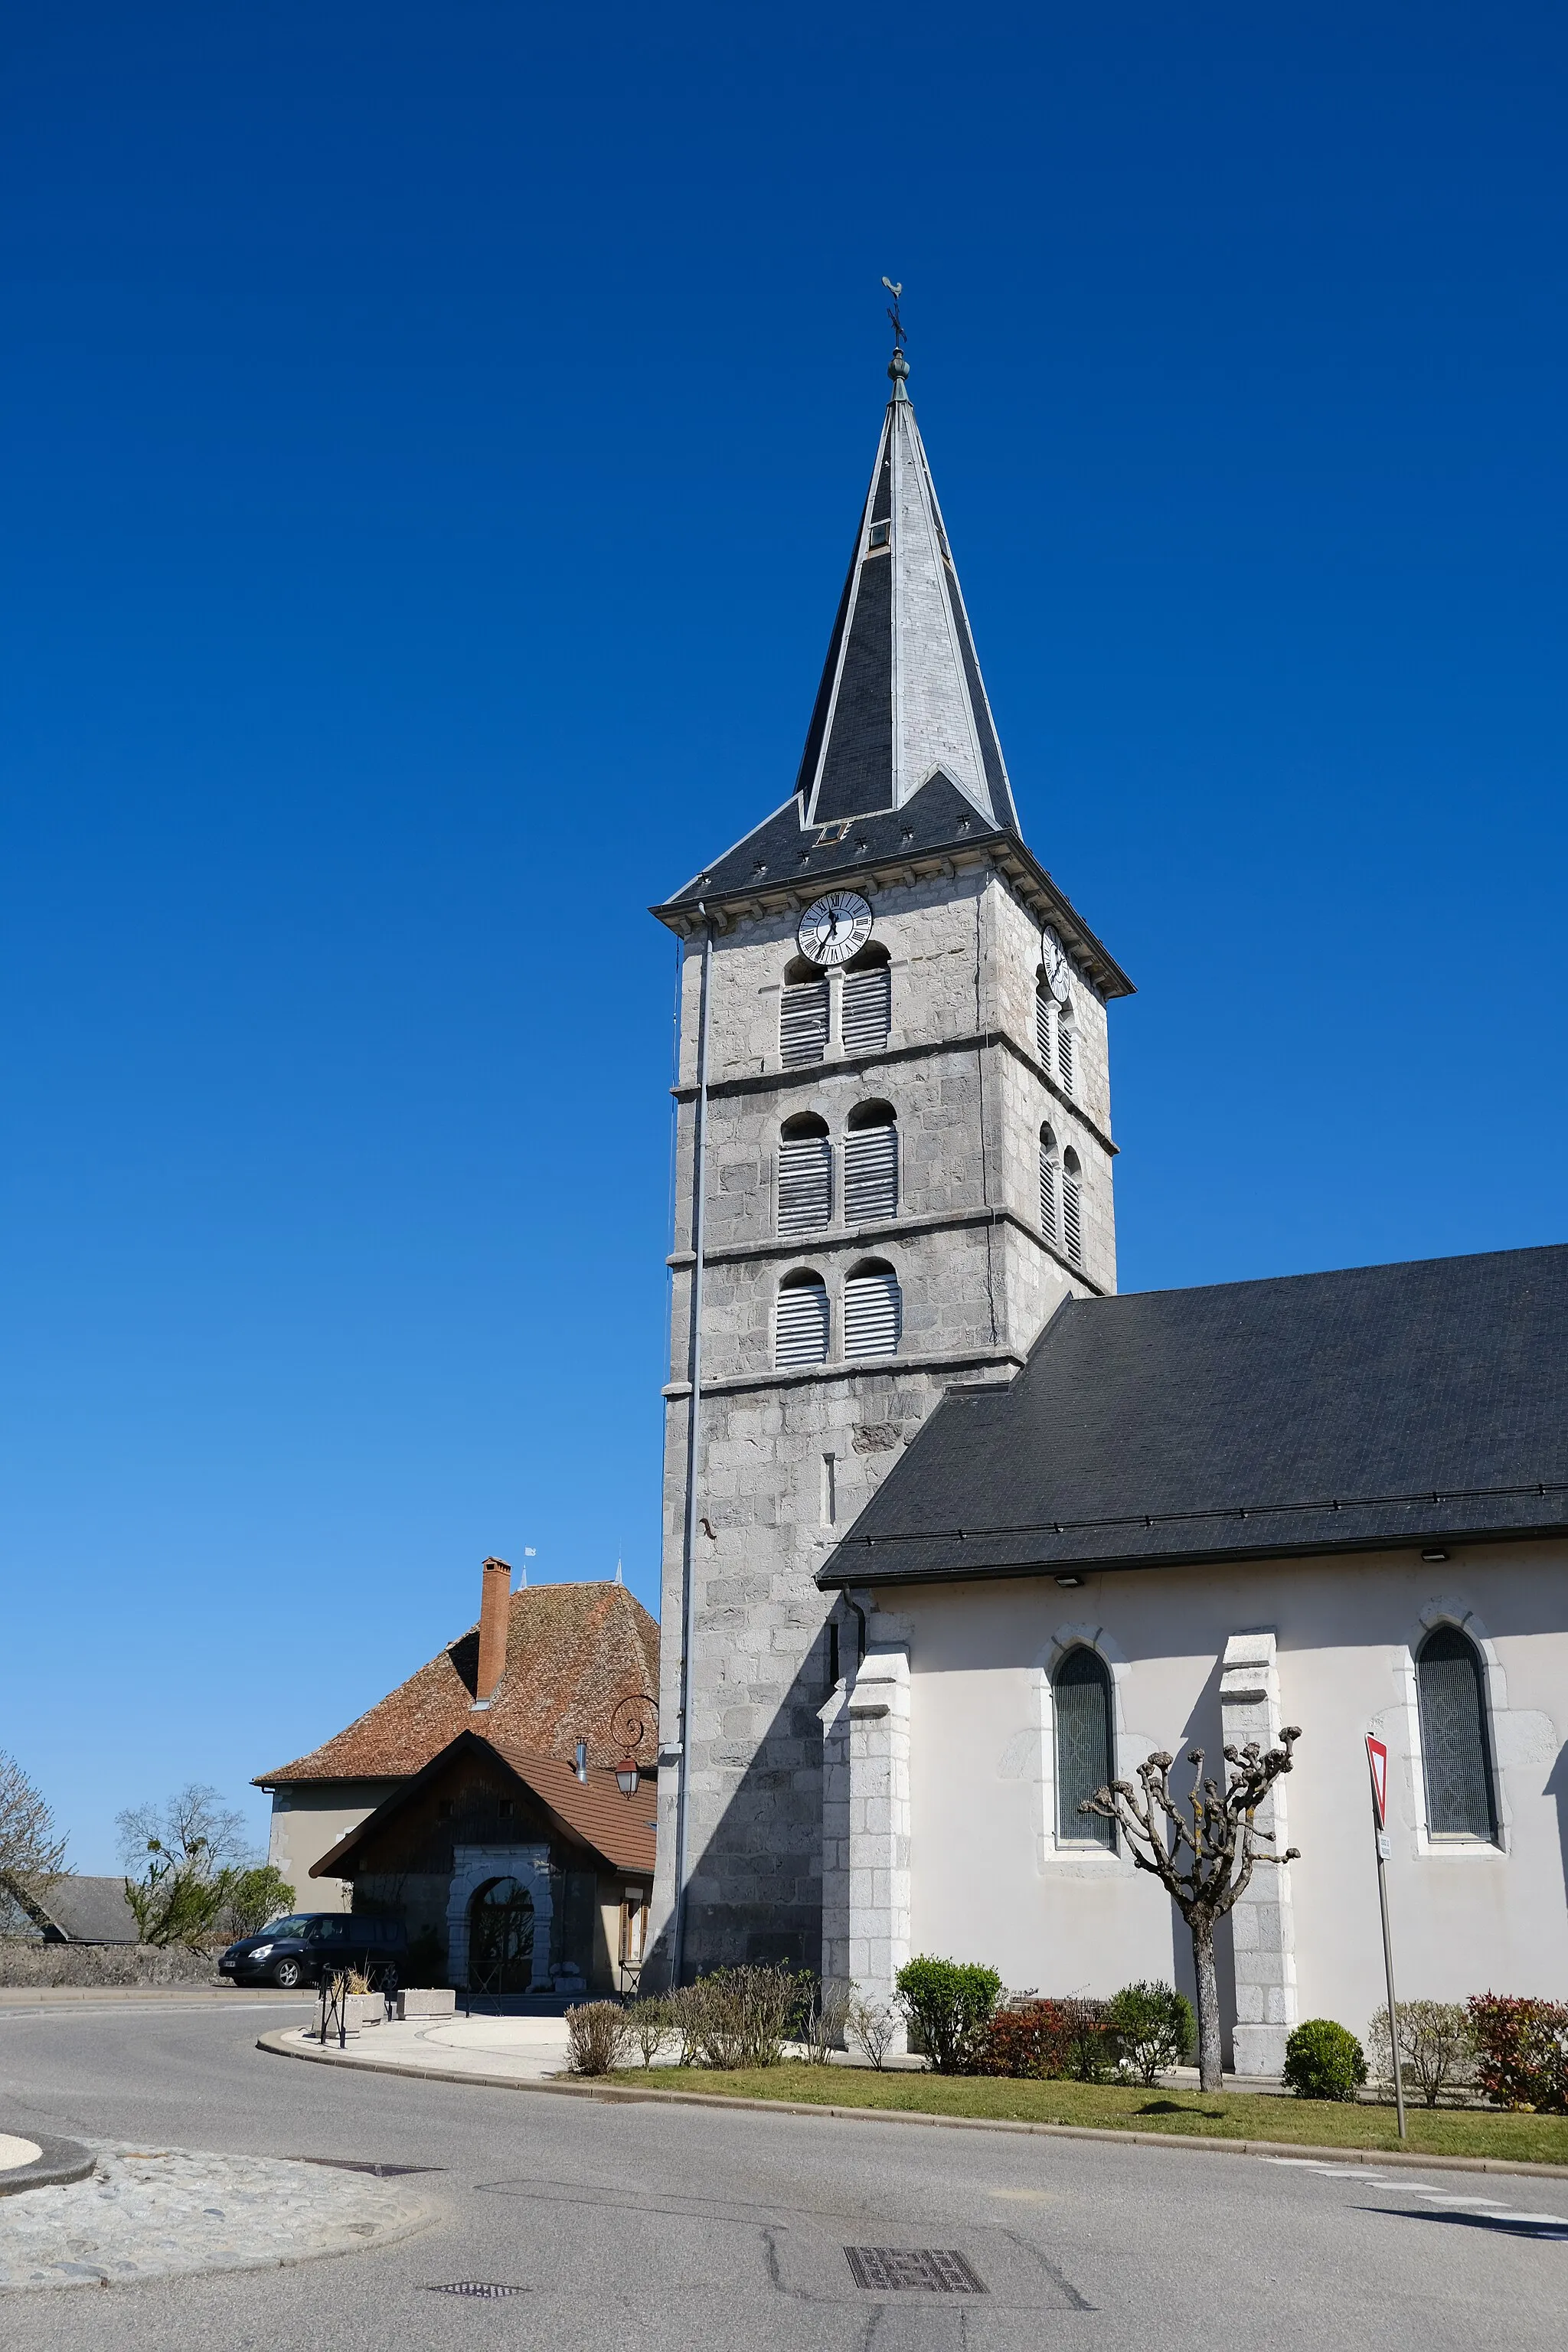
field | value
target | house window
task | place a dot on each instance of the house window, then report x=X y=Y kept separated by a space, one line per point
x=866 y=1012
x=1067 y=1056
x=800 y=1329
x=873 y=1310
x=805 y=1175
x=1456 y=1755
x=803 y=1015
x=1049 y=1172
x=633 y=1927
x=1080 y=1691
x=1044 y=1009
x=871 y=1164
x=1072 y=1206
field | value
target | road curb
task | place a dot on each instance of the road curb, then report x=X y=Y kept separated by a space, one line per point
x=57 y=2163
x=278 y=2045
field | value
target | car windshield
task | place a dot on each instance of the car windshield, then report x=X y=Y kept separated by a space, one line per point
x=295 y=1925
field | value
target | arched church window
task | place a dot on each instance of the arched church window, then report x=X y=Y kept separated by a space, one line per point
x=805 y=1175
x=803 y=1015
x=870 y=1163
x=1049 y=1172
x=1066 y=1054
x=1045 y=1013
x=1456 y=1754
x=866 y=1013
x=500 y=1937
x=1080 y=1695
x=873 y=1310
x=800 y=1324
x=1072 y=1206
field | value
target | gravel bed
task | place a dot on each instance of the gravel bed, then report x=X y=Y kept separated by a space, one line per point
x=171 y=2214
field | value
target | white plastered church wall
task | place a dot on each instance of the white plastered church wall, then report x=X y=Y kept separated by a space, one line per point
x=983 y=1884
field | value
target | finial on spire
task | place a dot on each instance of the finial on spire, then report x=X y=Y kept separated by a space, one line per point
x=898 y=367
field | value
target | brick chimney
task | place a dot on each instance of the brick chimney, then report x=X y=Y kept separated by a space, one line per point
x=495 y=1616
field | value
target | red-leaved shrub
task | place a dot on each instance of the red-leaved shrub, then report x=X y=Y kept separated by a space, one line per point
x=1522 y=2052
x=1049 y=2039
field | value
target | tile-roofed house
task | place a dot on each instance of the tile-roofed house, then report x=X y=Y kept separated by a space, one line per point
x=547 y=1671
x=530 y=1875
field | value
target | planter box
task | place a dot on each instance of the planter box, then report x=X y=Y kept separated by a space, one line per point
x=427 y=2002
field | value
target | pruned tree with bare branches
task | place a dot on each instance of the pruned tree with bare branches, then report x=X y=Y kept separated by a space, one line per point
x=1204 y=1857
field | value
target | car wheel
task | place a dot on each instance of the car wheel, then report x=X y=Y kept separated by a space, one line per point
x=286 y=1975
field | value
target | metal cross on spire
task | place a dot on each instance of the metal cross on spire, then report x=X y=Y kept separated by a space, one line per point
x=898 y=324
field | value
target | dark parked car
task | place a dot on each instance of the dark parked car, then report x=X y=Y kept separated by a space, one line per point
x=308 y=1945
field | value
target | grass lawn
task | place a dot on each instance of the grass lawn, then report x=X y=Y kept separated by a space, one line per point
x=1229 y=2115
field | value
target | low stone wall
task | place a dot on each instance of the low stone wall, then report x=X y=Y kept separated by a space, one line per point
x=24 y=1962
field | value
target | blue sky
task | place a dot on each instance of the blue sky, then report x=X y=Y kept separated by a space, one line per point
x=432 y=439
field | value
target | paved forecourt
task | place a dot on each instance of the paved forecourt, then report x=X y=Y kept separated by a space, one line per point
x=681 y=2224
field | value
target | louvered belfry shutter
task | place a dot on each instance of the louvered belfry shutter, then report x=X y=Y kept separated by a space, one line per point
x=1043 y=1026
x=1072 y=1222
x=805 y=1183
x=873 y=1315
x=868 y=1008
x=802 y=1023
x=801 y=1336
x=1048 y=1195
x=870 y=1174
x=1065 y=1061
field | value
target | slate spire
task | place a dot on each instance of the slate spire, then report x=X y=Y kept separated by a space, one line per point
x=901 y=699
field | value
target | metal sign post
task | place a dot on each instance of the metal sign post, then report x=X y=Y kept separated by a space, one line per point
x=1377 y=1763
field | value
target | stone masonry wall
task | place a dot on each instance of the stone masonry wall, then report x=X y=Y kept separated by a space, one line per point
x=789 y=1459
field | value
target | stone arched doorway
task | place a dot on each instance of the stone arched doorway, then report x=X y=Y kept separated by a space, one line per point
x=500 y=1937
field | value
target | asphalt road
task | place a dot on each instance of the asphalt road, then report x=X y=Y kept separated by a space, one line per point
x=650 y=2227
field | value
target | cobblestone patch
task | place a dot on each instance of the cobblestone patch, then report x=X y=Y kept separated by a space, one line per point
x=171 y=2213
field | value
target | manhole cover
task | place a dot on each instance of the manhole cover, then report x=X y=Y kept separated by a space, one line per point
x=486 y=2290
x=362 y=2164
x=938 y=2269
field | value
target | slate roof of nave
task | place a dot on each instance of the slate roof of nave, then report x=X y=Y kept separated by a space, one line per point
x=1376 y=1406
x=572 y=1652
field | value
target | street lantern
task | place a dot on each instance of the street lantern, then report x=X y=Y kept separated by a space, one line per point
x=629 y=1775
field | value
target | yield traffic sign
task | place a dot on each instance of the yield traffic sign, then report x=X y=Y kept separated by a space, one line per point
x=1377 y=1756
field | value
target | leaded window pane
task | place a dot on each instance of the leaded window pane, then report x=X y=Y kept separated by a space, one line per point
x=1454 y=1753
x=1081 y=1690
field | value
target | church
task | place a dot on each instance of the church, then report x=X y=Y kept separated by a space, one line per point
x=955 y=1533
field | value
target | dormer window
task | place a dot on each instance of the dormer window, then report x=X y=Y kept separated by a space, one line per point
x=880 y=534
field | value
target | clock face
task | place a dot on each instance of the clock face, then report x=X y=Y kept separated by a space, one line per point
x=1054 y=964
x=835 y=928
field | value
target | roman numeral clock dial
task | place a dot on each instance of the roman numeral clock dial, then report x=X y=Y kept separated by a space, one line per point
x=834 y=929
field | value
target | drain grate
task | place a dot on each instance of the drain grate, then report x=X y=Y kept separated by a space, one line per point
x=359 y=2164
x=486 y=2289
x=940 y=2270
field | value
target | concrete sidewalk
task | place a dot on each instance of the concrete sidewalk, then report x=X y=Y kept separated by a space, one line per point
x=512 y=2049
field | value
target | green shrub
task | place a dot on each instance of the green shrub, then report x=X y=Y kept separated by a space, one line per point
x=1153 y=2027
x=1323 y=2061
x=949 y=2004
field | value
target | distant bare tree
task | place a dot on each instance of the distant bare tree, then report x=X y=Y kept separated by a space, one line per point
x=31 y=1848
x=1222 y=1842
x=188 y=1850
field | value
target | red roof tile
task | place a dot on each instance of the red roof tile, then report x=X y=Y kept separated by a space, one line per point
x=595 y=1813
x=574 y=1651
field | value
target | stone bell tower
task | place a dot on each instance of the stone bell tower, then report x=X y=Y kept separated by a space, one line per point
x=894 y=1156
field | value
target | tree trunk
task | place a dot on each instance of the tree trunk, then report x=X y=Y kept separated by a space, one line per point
x=1211 y=2074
